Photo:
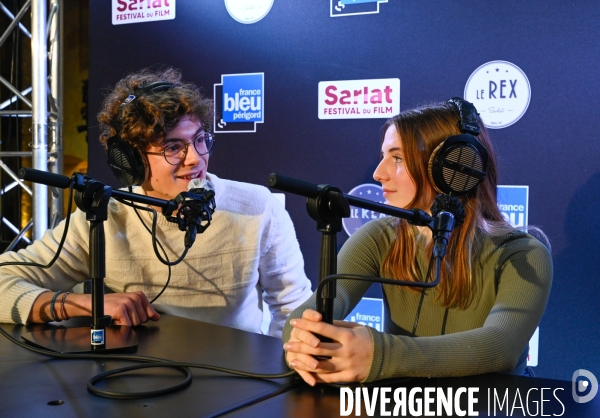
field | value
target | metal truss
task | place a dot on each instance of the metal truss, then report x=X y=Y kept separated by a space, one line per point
x=44 y=109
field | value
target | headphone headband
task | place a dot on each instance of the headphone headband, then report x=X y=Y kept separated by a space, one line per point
x=468 y=116
x=146 y=89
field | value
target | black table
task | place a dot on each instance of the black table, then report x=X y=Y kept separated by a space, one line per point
x=34 y=385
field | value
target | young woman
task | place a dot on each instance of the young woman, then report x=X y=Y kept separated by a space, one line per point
x=494 y=285
x=247 y=254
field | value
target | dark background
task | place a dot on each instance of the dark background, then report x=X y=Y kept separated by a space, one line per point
x=432 y=47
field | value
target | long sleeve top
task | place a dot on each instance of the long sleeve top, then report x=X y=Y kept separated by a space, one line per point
x=512 y=281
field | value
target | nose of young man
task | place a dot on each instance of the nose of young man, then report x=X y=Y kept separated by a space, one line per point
x=193 y=165
x=193 y=158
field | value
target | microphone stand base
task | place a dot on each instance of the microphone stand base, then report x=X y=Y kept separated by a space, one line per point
x=119 y=339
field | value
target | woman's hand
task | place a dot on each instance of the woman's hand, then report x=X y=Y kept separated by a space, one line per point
x=350 y=352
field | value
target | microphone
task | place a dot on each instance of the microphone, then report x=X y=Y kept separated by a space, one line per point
x=448 y=213
x=196 y=207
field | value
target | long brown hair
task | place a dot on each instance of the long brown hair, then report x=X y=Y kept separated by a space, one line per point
x=421 y=130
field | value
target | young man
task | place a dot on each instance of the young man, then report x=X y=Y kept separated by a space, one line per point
x=248 y=254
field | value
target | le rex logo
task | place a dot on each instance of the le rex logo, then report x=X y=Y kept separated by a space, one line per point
x=359 y=99
x=239 y=98
x=501 y=93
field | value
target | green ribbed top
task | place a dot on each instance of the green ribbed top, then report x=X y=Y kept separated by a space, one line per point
x=512 y=276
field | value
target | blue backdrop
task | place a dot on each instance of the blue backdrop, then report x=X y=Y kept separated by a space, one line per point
x=432 y=48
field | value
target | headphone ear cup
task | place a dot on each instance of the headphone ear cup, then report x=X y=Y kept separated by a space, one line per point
x=126 y=162
x=433 y=162
x=458 y=165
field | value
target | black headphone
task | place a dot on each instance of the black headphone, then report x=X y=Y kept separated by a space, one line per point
x=128 y=164
x=458 y=165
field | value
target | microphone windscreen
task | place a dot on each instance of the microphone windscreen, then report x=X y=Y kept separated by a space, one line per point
x=200 y=184
x=197 y=184
x=452 y=204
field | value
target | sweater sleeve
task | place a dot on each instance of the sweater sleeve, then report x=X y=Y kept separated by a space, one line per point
x=281 y=267
x=520 y=270
x=21 y=285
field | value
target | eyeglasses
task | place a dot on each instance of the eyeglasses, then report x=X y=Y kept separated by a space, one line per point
x=175 y=152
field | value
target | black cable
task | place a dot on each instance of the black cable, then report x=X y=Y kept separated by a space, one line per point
x=418 y=314
x=60 y=245
x=164 y=253
x=135 y=395
x=154 y=226
x=182 y=366
x=150 y=362
x=160 y=246
x=444 y=322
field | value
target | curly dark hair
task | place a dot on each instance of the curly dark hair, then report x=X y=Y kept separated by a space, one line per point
x=147 y=119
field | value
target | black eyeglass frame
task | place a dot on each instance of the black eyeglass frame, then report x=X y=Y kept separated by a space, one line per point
x=207 y=136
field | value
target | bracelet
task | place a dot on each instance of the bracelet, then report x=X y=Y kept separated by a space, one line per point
x=63 y=312
x=52 y=306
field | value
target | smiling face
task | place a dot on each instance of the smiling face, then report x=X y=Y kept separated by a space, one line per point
x=166 y=181
x=398 y=187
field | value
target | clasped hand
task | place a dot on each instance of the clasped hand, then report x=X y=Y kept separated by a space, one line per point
x=350 y=352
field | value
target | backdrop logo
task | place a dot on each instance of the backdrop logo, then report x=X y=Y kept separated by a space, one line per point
x=534 y=346
x=369 y=313
x=358 y=216
x=137 y=11
x=500 y=91
x=240 y=101
x=248 y=11
x=581 y=386
x=353 y=7
x=513 y=204
x=359 y=99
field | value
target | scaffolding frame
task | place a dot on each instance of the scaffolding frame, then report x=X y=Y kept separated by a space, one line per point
x=45 y=110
